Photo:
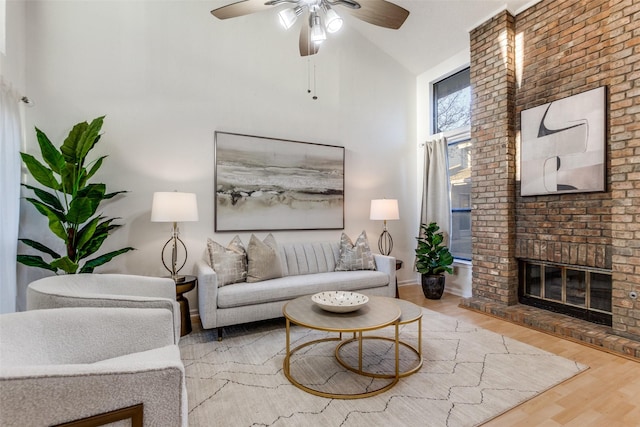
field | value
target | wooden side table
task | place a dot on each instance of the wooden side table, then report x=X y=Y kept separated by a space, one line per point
x=183 y=287
x=398 y=267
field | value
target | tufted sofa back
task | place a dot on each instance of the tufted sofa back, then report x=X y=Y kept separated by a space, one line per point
x=308 y=258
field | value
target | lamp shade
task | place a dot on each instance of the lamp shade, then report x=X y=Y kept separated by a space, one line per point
x=384 y=210
x=174 y=207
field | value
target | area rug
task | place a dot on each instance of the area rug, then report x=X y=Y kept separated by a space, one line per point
x=469 y=376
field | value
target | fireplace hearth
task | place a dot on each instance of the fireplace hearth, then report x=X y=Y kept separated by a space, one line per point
x=580 y=292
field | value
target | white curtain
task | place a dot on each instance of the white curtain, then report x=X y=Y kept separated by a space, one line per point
x=10 y=194
x=436 y=205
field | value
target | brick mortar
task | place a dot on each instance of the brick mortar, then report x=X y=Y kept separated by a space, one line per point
x=569 y=46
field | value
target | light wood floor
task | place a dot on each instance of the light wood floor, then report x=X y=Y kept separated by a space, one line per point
x=606 y=394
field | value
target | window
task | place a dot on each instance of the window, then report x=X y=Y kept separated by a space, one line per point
x=452 y=102
x=452 y=112
x=459 y=153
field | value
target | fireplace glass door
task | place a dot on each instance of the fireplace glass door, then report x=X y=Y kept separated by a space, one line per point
x=580 y=292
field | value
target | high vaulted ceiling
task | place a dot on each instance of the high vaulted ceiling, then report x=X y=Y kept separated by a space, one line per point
x=434 y=31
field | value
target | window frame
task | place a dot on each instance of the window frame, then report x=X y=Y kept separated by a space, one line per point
x=460 y=136
x=434 y=99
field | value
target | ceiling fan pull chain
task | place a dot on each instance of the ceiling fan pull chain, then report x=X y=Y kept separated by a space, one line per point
x=308 y=75
x=314 y=82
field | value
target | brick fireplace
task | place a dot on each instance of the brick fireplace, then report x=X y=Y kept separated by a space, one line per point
x=555 y=49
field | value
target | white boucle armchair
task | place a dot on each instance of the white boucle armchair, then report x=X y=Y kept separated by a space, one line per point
x=105 y=290
x=68 y=364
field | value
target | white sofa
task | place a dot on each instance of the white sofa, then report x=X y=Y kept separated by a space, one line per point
x=68 y=364
x=307 y=268
x=105 y=290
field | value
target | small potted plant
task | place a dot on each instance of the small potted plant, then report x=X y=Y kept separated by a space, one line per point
x=432 y=260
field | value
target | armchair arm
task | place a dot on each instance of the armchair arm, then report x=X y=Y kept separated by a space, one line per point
x=51 y=394
x=81 y=335
x=105 y=290
x=387 y=264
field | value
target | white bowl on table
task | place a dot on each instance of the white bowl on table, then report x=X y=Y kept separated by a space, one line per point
x=340 y=301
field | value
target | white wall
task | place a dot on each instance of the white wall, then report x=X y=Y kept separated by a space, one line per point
x=459 y=283
x=167 y=75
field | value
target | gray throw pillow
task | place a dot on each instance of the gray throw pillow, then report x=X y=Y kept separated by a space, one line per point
x=230 y=263
x=355 y=256
x=263 y=259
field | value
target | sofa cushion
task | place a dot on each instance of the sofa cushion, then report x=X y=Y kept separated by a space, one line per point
x=289 y=287
x=263 y=259
x=355 y=256
x=229 y=263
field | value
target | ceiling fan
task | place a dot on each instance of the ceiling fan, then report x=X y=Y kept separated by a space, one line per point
x=322 y=18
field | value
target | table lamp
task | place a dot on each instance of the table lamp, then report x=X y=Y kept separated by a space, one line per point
x=174 y=207
x=385 y=210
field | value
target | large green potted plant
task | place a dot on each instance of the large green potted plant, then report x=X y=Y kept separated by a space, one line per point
x=432 y=260
x=71 y=208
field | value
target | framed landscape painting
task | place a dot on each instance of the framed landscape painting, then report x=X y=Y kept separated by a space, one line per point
x=564 y=145
x=275 y=184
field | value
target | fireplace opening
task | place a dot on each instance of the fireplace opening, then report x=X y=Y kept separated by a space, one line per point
x=581 y=292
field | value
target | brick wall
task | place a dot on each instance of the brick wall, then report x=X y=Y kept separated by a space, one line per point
x=494 y=160
x=568 y=47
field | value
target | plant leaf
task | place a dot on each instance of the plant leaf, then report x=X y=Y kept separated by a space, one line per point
x=115 y=193
x=96 y=262
x=40 y=247
x=96 y=165
x=65 y=264
x=56 y=218
x=88 y=139
x=40 y=173
x=46 y=197
x=99 y=236
x=69 y=147
x=50 y=154
x=35 y=261
x=80 y=210
x=86 y=233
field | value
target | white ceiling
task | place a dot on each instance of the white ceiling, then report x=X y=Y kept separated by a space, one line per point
x=434 y=31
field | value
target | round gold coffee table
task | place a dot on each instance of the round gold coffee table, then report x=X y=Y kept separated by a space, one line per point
x=380 y=312
x=410 y=313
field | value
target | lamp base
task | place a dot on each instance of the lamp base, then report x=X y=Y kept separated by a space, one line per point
x=385 y=243
x=174 y=242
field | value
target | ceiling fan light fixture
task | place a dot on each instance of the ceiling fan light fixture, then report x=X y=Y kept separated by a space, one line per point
x=318 y=35
x=288 y=16
x=332 y=19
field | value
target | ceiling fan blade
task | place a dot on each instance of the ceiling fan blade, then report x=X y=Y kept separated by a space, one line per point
x=380 y=12
x=307 y=47
x=244 y=7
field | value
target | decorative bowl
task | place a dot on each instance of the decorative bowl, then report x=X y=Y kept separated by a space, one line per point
x=340 y=301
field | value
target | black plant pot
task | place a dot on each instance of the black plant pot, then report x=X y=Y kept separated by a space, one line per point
x=433 y=286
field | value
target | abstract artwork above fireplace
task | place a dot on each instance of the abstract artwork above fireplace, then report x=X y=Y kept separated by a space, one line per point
x=563 y=145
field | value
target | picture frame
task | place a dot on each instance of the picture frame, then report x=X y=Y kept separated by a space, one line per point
x=564 y=145
x=267 y=184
